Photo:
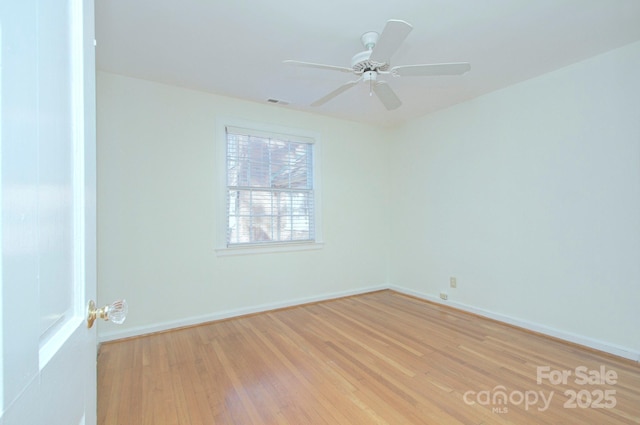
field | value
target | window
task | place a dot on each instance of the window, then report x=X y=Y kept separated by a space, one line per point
x=270 y=188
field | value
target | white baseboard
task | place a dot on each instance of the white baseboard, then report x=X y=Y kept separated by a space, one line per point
x=110 y=335
x=115 y=333
x=606 y=347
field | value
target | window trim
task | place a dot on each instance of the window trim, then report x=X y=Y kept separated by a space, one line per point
x=220 y=189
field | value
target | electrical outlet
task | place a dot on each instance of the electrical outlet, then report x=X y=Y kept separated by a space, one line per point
x=453 y=282
x=444 y=295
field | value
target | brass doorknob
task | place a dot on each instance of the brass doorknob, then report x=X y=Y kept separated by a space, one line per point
x=115 y=312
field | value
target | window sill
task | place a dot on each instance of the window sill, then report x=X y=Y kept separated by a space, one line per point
x=268 y=249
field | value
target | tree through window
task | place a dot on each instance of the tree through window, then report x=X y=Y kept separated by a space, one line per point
x=270 y=191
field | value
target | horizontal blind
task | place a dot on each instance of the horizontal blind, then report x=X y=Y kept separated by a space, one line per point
x=264 y=134
x=270 y=196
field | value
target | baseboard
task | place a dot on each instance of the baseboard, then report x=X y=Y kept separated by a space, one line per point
x=624 y=352
x=115 y=333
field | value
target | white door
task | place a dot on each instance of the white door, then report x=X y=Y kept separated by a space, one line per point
x=47 y=172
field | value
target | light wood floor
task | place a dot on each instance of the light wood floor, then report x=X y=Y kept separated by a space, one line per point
x=378 y=358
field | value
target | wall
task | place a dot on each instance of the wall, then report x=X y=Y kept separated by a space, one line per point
x=156 y=185
x=530 y=196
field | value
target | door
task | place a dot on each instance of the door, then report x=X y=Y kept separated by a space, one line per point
x=47 y=173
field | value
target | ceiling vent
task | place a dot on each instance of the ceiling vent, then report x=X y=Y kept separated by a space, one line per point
x=278 y=101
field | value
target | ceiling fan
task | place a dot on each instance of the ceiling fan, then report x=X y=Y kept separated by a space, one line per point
x=375 y=61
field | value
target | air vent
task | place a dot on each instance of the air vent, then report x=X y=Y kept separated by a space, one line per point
x=278 y=101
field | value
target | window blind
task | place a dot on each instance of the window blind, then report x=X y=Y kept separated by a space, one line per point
x=270 y=193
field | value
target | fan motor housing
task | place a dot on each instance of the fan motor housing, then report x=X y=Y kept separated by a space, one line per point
x=361 y=63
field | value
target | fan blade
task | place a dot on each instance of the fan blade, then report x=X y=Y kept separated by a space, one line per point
x=391 y=38
x=318 y=65
x=431 y=69
x=335 y=93
x=386 y=95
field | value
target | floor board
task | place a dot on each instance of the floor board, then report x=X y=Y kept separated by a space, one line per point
x=378 y=358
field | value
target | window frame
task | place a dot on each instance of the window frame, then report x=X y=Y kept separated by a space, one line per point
x=221 y=188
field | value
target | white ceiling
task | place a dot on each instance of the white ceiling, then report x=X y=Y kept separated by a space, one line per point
x=236 y=47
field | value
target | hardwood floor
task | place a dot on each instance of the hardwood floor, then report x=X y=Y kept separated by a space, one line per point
x=378 y=358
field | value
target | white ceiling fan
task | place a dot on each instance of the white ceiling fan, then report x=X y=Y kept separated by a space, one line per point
x=375 y=61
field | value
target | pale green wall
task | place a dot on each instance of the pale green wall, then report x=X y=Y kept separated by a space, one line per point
x=530 y=196
x=156 y=186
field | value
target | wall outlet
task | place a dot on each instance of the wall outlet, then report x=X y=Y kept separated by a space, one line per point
x=453 y=282
x=444 y=295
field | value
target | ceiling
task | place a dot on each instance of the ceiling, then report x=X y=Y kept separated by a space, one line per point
x=237 y=47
